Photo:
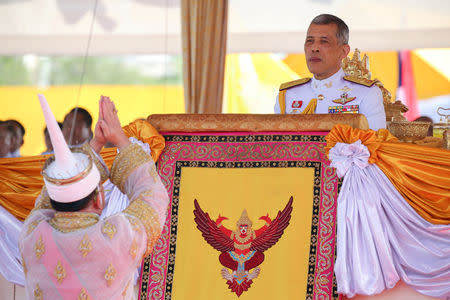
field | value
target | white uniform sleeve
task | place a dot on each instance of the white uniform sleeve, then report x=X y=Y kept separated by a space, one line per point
x=372 y=107
x=276 y=108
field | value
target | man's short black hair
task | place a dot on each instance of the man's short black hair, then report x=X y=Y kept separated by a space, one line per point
x=17 y=124
x=81 y=111
x=73 y=206
x=342 y=33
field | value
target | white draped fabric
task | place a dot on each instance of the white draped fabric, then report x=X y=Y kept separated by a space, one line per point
x=380 y=238
x=10 y=262
x=154 y=26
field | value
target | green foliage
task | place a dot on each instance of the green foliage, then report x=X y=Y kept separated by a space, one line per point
x=108 y=70
x=13 y=71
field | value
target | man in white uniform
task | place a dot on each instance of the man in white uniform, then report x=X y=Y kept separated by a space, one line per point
x=68 y=252
x=330 y=90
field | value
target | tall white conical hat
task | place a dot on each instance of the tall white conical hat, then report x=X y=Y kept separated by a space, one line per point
x=69 y=175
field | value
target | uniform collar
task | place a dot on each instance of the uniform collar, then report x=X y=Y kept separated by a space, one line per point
x=330 y=82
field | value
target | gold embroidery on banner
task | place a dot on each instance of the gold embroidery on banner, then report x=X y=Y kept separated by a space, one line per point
x=158 y=262
x=37 y=293
x=242 y=247
x=60 y=272
x=329 y=84
x=39 y=248
x=134 y=249
x=85 y=245
x=110 y=274
x=109 y=229
x=246 y=238
x=126 y=162
x=149 y=218
x=83 y=295
x=73 y=221
x=242 y=258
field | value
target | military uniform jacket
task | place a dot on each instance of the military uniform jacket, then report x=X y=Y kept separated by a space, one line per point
x=76 y=255
x=336 y=94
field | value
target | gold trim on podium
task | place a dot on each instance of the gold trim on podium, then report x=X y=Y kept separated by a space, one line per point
x=254 y=122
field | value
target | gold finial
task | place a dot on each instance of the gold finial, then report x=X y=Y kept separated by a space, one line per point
x=356 y=67
x=244 y=220
x=360 y=68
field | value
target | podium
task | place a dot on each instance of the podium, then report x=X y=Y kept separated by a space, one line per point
x=229 y=163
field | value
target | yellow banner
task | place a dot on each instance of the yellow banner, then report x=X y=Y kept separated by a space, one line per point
x=228 y=191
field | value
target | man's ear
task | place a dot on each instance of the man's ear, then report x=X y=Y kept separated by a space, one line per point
x=345 y=50
x=100 y=198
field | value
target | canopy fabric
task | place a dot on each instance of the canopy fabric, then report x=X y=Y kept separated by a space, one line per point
x=154 y=26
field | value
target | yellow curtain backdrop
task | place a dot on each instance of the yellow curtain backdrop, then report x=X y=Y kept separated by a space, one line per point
x=133 y=102
x=252 y=81
x=21 y=180
x=204 y=35
x=421 y=174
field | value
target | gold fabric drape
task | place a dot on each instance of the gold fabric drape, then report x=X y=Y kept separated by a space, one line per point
x=143 y=131
x=21 y=180
x=204 y=34
x=421 y=174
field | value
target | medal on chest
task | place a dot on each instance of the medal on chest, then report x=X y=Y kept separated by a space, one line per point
x=347 y=109
x=344 y=99
x=296 y=104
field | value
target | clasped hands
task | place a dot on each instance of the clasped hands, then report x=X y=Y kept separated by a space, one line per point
x=108 y=128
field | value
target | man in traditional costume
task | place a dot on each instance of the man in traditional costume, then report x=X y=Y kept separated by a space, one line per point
x=330 y=90
x=67 y=251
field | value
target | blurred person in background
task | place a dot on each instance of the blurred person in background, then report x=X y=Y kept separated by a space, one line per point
x=76 y=126
x=5 y=139
x=18 y=131
x=48 y=142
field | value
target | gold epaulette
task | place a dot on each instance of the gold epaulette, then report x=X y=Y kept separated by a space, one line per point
x=359 y=80
x=290 y=84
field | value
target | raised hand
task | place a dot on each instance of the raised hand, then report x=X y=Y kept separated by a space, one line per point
x=99 y=139
x=110 y=124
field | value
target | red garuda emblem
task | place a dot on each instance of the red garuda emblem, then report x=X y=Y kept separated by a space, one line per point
x=242 y=250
